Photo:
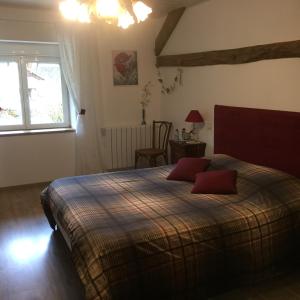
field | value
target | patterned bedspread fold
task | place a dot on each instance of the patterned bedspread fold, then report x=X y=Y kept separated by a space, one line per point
x=136 y=235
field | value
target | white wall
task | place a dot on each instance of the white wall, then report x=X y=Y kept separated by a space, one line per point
x=33 y=158
x=215 y=25
x=122 y=103
x=27 y=24
x=210 y=25
x=36 y=158
x=30 y=159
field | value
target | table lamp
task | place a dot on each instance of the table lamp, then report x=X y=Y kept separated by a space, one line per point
x=194 y=117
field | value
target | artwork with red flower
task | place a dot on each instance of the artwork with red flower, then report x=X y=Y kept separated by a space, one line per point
x=125 y=68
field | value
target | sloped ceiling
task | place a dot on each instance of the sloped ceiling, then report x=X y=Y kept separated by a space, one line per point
x=160 y=7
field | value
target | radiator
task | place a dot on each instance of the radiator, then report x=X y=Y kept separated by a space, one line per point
x=120 y=144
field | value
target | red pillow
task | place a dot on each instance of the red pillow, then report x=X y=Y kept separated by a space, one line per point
x=187 y=168
x=216 y=182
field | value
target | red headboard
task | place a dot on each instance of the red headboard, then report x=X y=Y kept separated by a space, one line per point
x=266 y=137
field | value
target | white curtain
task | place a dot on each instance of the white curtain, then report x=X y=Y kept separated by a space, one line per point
x=79 y=51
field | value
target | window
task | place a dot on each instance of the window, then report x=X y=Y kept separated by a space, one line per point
x=33 y=93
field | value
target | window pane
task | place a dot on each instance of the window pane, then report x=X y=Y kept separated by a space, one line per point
x=45 y=93
x=10 y=100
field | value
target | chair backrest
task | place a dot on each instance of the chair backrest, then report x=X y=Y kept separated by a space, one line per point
x=161 y=134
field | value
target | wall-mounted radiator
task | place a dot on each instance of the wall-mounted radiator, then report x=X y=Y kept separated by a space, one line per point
x=120 y=144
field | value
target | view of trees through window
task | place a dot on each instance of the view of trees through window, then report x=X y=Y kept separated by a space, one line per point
x=32 y=94
x=10 y=99
x=45 y=93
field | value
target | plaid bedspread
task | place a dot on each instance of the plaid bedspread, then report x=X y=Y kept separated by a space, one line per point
x=135 y=235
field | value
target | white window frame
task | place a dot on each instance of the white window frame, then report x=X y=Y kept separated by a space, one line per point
x=23 y=53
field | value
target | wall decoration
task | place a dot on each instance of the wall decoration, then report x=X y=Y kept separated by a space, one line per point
x=166 y=90
x=125 y=70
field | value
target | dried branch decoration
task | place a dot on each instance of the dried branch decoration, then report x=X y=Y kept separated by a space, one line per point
x=166 y=90
x=146 y=94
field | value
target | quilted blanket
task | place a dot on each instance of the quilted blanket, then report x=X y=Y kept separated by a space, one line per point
x=136 y=235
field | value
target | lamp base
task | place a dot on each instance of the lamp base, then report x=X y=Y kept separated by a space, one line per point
x=194 y=133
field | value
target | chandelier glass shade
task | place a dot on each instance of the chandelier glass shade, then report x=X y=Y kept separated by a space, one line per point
x=120 y=12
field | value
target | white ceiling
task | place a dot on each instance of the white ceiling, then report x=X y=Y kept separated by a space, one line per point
x=160 y=7
x=31 y=3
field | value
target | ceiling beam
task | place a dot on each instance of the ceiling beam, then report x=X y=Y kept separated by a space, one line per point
x=167 y=29
x=232 y=56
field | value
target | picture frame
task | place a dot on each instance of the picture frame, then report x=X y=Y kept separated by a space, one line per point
x=125 y=67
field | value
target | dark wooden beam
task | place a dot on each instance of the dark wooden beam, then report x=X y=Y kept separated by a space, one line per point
x=167 y=29
x=232 y=56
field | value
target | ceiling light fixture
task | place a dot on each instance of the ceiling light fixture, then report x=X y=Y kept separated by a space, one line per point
x=120 y=12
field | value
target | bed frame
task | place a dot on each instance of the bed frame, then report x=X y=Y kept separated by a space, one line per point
x=266 y=137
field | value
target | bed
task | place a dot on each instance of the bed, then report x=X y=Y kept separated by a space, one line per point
x=135 y=235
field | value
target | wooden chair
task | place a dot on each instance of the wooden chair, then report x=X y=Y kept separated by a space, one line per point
x=160 y=139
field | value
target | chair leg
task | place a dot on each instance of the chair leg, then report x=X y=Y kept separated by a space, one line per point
x=136 y=160
x=166 y=159
x=152 y=162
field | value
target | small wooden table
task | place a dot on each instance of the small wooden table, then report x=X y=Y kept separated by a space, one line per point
x=181 y=149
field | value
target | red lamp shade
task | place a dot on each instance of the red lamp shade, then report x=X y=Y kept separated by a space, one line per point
x=194 y=117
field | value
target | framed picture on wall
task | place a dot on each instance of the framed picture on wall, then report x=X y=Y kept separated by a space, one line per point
x=125 y=70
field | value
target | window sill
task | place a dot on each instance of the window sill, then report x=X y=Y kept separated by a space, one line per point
x=35 y=131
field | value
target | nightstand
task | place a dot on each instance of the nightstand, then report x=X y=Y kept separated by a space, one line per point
x=181 y=149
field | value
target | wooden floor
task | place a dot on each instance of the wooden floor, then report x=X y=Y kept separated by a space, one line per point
x=36 y=264
x=34 y=261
